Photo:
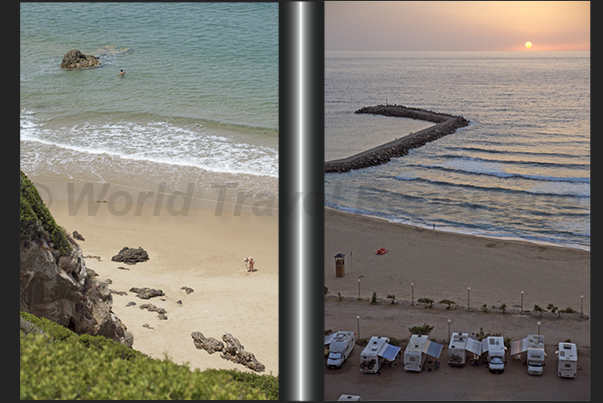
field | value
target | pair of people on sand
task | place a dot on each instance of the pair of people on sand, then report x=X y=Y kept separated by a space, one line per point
x=249 y=262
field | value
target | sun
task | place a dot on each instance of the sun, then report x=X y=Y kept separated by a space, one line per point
x=528 y=44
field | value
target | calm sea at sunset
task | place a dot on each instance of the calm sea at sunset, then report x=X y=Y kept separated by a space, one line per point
x=520 y=170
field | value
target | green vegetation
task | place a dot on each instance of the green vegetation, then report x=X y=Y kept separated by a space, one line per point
x=425 y=329
x=59 y=364
x=392 y=297
x=447 y=302
x=427 y=301
x=35 y=218
x=374 y=298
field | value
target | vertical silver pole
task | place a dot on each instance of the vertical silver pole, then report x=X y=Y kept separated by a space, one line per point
x=301 y=195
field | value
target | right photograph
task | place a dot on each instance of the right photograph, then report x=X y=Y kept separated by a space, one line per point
x=457 y=201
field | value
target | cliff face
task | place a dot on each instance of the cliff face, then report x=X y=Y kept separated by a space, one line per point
x=54 y=279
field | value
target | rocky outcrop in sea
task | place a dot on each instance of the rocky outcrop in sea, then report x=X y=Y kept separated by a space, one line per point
x=75 y=59
x=445 y=124
x=131 y=255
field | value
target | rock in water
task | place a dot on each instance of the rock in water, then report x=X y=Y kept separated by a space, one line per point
x=75 y=59
x=78 y=236
x=131 y=255
x=208 y=344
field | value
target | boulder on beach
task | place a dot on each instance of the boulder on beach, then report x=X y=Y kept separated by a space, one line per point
x=131 y=255
x=208 y=344
x=146 y=293
x=78 y=236
x=75 y=59
x=235 y=352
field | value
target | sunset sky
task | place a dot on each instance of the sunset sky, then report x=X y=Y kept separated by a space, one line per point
x=457 y=25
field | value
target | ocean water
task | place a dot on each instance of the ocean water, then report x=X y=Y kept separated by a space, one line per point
x=198 y=103
x=520 y=170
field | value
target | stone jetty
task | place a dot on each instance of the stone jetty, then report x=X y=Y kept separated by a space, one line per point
x=445 y=124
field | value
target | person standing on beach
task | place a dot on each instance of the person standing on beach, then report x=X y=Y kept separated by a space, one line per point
x=249 y=262
x=121 y=73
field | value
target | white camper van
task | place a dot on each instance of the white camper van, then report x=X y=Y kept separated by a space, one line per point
x=340 y=347
x=567 y=358
x=536 y=354
x=534 y=345
x=375 y=353
x=456 y=349
x=495 y=347
x=460 y=343
x=417 y=350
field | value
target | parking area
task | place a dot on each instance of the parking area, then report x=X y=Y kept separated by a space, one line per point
x=469 y=382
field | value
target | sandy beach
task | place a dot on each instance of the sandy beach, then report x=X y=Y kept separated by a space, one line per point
x=199 y=249
x=442 y=265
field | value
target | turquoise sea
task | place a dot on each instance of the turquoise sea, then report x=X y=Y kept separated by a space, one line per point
x=520 y=170
x=198 y=102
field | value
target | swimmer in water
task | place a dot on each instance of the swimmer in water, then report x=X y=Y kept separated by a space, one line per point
x=121 y=73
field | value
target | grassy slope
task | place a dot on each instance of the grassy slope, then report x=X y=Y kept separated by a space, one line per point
x=59 y=364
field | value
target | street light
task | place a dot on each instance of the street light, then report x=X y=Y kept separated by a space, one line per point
x=449 y=330
x=538 y=327
x=581 y=305
x=358 y=288
x=522 y=302
x=468 y=297
x=358 y=327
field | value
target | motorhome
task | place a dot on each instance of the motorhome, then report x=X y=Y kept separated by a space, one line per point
x=340 y=347
x=495 y=348
x=376 y=352
x=534 y=346
x=567 y=360
x=417 y=350
x=536 y=354
x=457 y=349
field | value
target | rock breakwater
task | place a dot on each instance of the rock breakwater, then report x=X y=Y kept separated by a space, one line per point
x=445 y=124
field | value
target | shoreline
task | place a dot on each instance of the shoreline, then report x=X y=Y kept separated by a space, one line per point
x=443 y=265
x=189 y=246
x=458 y=231
x=445 y=124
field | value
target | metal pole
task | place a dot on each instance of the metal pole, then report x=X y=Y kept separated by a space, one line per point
x=412 y=301
x=581 y=305
x=522 y=302
x=357 y=327
x=468 y=297
x=538 y=327
x=449 y=330
x=358 y=288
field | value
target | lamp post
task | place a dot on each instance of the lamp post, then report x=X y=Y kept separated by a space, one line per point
x=449 y=330
x=581 y=305
x=358 y=327
x=358 y=288
x=538 y=327
x=468 y=297
x=412 y=301
x=522 y=302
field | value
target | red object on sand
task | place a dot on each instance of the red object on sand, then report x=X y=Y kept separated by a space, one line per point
x=382 y=251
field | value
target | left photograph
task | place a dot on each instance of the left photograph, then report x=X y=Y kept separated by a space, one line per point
x=149 y=201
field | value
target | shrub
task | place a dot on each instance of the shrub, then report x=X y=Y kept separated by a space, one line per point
x=447 y=302
x=35 y=218
x=393 y=298
x=427 y=301
x=374 y=298
x=425 y=329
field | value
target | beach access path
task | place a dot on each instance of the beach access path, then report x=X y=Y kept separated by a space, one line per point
x=445 y=124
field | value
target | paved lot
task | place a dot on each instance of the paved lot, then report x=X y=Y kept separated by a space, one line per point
x=452 y=383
